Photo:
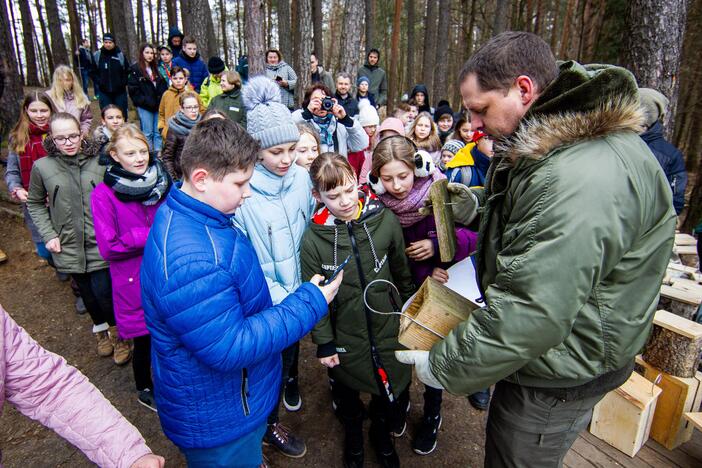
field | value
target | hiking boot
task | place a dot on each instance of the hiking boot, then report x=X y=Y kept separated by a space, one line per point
x=401 y=426
x=291 y=395
x=146 y=398
x=104 y=344
x=384 y=448
x=122 y=350
x=425 y=440
x=280 y=437
x=80 y=306
x=480 y=400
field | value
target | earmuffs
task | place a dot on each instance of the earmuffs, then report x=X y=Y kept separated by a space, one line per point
x=423 y=166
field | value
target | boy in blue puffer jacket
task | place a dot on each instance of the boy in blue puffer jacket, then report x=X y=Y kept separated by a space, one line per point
x=216 y=337
x=189 y=58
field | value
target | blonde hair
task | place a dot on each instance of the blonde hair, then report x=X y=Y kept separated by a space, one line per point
x=330 y=170
x=233 y=78
x=187 y=95
x=126 y=131
x=394 y=148
x=432 y=142
x=307 y=128
x=56 y=92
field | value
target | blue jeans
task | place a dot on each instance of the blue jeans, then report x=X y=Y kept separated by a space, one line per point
x=85 y=77
x=118 y=99
x=149 y=125
x=41 y=251
x=244 y=452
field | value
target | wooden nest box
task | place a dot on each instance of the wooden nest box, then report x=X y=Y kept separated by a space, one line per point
x=674 y=345
x=437 y=308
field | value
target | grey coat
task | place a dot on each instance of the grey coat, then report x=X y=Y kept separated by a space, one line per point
x=285 y=71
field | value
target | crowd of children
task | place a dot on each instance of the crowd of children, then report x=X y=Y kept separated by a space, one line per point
x=228 y=224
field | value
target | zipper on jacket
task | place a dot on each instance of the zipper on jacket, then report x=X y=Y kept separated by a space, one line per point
x=245 y=391
x=53 y=199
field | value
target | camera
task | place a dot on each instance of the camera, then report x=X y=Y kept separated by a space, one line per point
x=327 y=104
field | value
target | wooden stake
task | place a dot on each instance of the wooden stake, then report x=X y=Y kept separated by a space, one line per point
x=443 y=216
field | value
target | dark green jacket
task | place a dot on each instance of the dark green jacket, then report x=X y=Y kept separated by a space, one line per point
x=67 y=183
x=380 y=250
x=575 y=235
x=231 y=104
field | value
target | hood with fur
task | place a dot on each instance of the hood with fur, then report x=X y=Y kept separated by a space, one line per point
x=584 y=102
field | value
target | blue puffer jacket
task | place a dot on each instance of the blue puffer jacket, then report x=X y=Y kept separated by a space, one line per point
x=216 y=338
x=196 y=66
x=274 y=219
x=672 y=162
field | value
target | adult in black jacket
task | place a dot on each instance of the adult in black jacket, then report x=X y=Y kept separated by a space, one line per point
x=85 y=65
x=110 y=74
x=343 y=94
x=669 y=157
x=175 y=40
x=146 y=86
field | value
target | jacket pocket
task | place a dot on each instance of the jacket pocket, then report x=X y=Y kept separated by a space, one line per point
x=245 y=391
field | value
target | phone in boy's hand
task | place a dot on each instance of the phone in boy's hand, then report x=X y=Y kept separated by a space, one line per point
x=336 y=272
x=278 y=78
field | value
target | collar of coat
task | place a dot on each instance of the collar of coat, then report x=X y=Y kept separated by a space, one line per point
x=585 y=102
x=89 y=148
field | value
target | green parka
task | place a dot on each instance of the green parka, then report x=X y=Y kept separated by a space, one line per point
x=230 y=103
x=375 y=242
x=575 y=234
x=59 y=204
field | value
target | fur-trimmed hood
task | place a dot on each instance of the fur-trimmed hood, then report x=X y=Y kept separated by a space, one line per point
x=89 y=147
x=583 y=103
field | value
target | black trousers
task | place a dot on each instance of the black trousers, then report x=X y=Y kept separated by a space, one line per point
x=383 y=414
x=141 y=362
x=96 y=290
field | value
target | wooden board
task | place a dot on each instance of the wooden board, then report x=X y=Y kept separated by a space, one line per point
x=677 y=324
x=443 y=217
x=679 y=395
x=682 y=293
x=696 y=419
x=685 y=249
x=685 y=239
x=674 y=345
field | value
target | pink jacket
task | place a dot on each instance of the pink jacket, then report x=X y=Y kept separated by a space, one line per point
x=121 y=229
x=42 y=386
x=84 y=115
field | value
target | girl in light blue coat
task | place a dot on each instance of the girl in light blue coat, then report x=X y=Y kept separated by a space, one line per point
x=274 y=219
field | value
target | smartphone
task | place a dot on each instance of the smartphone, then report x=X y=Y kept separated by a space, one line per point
x=278 y=78
x=336 y=272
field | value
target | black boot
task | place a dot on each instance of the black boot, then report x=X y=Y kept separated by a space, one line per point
x=383 y=444
x=353 y=442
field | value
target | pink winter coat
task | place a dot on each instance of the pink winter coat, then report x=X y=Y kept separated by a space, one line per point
x=84 y=115
x=42 y=386
x=121 y=229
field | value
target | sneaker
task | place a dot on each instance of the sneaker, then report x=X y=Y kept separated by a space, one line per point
x=480 y=400
x=146 y=398
x=80 y=306
x=122 y=349
x=291 y=395
x=104 y=344
x=399 y=431
x=384 y=448
x=280 y=437
x=425 y=441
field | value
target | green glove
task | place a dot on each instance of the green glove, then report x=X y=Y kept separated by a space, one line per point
x=464 y=204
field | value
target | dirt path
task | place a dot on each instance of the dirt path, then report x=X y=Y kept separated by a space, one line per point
x=30 y=292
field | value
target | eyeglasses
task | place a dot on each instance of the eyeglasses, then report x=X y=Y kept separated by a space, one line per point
x=191 y=108
x=61 y=140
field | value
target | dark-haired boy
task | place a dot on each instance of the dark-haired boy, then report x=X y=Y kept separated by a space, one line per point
x=216 y=337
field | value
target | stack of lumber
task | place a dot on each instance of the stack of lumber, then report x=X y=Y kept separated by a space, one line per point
x=681 y=291
x=686 y=248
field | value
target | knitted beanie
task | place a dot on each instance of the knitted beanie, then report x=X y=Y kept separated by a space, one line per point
x=453 y=146
x=215 y=65
x=108 y=36
x=441 y=110
x=267 y=120
x=361 y=79
x=367 y=115
x=653 y=104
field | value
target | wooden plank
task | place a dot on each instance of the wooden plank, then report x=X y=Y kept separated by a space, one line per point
x=685 y=249
x=443 y=216
x=681 y=294
x=682 y=268
x=574 y=460
x=652 y=457
x=685 y=239
x=592 y=454
x=677 y=324
x=674 y=457
x=614 y=454
x=695 y=418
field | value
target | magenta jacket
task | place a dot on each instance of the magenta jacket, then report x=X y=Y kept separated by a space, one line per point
x=42 y=386
x=121 y=229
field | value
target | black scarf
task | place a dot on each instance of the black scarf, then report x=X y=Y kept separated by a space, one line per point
x=148 y=188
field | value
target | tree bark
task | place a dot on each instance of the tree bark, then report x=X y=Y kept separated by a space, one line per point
x=14 y=34
x=269 y=22
x=239 y=41
x=223 y=28
x=32 y=75
x=304 y=41
x=430 y=40
x=501 y=17
x=10 y=80
x=172 y=13
x=318 y=16
x=440 y=89
x=45 y=37
x=565 y=37
x=411 y=23
x=351 y=38
x=653 y=47
x=395 y=57
x=284 y=33
x=122 y=14
x=141 y=27
x=255 y=35
x=197 y=22
x=91 y=10
x=370 y=27
x=76 y=33
x=150 y=7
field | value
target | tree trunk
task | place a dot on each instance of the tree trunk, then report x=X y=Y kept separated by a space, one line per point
x=150 y=6
x=28 y=43
x=501 y=17
x=351 y=38
x=10 y=80
x=104 y=27
x=284 y=33
x=14 y=34
x=269 y=23
x=554 y=30
x=393 y=90
x=141 y=27
x=304 y=41
x=91 y=9
x=411 y=23
x=123 y=28
x=370 y=27
x=255 y=35
x=318 y=16
x=197 y=22
x=76 y=33
x=440 y=88
x=430 y=40
x=45 y=37
x=653 y=47
x=239 y=41
x=223 y=28
x=172 y=13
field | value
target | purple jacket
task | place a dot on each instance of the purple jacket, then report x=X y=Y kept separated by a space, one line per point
x=466 y=242
x=121 y=229
x=43 y=387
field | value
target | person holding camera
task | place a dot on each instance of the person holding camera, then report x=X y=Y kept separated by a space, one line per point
x=337 y=130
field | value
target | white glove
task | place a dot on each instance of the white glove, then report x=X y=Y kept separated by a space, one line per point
x=420 y=360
